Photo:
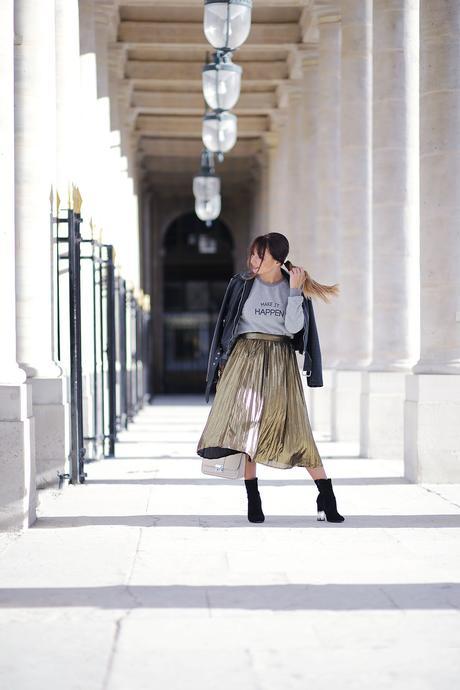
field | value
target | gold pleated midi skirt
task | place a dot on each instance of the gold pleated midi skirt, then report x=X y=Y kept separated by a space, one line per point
x=259 y=406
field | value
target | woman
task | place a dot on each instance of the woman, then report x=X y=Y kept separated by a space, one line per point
x=259 y=407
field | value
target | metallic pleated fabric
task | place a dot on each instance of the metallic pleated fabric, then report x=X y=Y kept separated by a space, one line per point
x=259 y=407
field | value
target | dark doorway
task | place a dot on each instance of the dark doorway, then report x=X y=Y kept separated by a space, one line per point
x=198 y=263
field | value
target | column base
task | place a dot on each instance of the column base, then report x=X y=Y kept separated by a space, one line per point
x=18 y=496
x=347 y=405
x=323 y=417
x=432 y=431
x=382 y=415
x=52 y=429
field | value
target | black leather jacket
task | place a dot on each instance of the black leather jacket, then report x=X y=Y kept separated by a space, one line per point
x=306 y=340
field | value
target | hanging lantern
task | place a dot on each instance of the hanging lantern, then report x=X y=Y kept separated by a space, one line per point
x=221 y=82
x=208 y=209
x=206 y=185
x=227 y=22
x=219 y=131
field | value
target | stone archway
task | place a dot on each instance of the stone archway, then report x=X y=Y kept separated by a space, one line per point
x=197 y=264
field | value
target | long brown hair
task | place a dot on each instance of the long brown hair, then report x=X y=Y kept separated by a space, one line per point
x=278 y=246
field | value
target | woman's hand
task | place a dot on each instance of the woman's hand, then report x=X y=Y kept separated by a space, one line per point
x=296 y=277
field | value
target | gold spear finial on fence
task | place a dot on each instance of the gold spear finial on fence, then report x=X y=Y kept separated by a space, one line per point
x=146 y=303
x=58 y=202
x=140 y=300
x=139 y=295
x=77 y=200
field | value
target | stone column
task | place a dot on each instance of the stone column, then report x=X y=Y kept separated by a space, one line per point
x=68 y=144
x=146 y=278
x=270 y=149
x=17 y=452
x=108 y=210
x=354 y=318
x=395 y=225
x=432 y=408
x=328 y=170
x=35 y=130
x=97 y=188
x=68 y=103
x=308 y=187
x=259 y=176
x=90 y=171
x=278 y=170
x=293 y=228
x=308 y=190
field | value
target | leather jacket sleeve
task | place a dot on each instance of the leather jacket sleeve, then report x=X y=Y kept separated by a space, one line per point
x=215 y=343
x=315 y=380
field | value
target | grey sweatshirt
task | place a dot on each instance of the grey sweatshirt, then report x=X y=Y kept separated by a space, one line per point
x=272 y=308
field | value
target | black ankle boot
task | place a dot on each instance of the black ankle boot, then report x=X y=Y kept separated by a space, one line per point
x=326 y=503
x=255 y=513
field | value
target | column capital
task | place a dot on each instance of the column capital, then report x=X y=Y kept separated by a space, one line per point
x=308 y=23
x=289 y=93
x=308 y=56
x=116 y=58
x=299 y=56
x=106 y=17
x=327 y=12
x=270 y=141
x=278 y=120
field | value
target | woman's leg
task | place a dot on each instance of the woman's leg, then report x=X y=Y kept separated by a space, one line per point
x=255 y=512
x=316 y=472
x=250 y=469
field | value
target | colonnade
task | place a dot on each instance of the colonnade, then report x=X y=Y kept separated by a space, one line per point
x=378 y=213
x=359 y=168
x=55 y=131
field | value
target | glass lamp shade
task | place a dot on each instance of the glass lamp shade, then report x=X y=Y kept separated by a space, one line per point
x=221 y=85
x=208 y=209
x=206 y=186
x=227 y=23
x=219 y=131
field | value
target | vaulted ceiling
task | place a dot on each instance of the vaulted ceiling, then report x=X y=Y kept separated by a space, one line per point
x=159 y=53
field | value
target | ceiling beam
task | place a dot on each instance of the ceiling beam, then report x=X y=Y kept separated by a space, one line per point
x=190 y=166
x=163 y=102
x=146 y=51
x=190 y=126
x=172 y=70
x=184 y=182
x=185 y=148
x=191 y=33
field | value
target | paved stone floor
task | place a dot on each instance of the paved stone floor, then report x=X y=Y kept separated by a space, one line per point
x=149 y=576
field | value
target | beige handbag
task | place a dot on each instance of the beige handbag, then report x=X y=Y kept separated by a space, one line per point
x=227 y=467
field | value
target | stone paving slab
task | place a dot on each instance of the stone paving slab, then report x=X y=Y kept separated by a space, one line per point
x=149 y=575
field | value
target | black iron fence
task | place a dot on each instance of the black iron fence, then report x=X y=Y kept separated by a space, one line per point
x=102 y=340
